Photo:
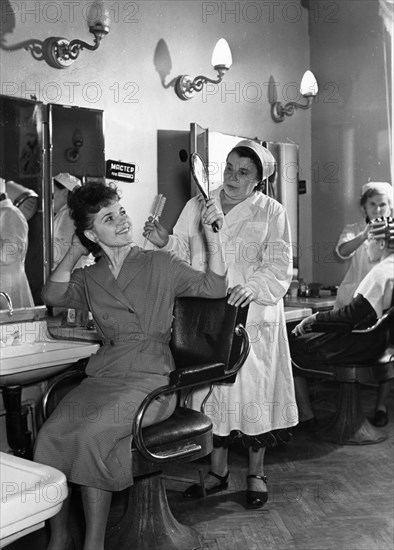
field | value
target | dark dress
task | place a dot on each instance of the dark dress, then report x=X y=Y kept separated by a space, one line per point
x=88 y=436
x=325 y=349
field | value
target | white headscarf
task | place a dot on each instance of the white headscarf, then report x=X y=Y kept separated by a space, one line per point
x=267 y=160
x=380 y=188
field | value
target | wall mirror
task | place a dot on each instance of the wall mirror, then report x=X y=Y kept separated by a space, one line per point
x=38 y=141
x=22 y=160
x=76 y=146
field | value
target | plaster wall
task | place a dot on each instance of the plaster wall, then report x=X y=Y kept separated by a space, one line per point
x=130 y=77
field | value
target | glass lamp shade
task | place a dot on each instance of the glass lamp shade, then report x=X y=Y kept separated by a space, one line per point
x=98 y=15
x=221 y=55
x=308 y=86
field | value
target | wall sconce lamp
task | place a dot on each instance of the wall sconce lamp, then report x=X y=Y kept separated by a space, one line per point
x=185 y=87
x=61 y=53
x=308 y=89
x=72 y=154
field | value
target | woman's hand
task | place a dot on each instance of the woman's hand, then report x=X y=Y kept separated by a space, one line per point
x=78 y=248
x=211 y=213
x=241 y=295
x=305 y=325
x=63 y=270
x=364 y=234
x=155 y=232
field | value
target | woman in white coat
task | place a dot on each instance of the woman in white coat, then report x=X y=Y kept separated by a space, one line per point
x=376 y=199
x=14 y=231
x=260 y=406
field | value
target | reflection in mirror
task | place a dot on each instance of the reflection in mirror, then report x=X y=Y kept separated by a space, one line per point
x=76 y=156
x=21 y=166
x=37 y=142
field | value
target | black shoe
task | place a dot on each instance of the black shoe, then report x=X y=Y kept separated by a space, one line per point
x=256 y=499
x=380 y=419
x=198 y=491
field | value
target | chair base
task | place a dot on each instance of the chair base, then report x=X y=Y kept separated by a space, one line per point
x=349 y=426
x=148 y=523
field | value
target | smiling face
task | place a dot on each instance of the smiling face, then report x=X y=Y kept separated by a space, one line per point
x=240 y=176
x=376 y=206
x=111 y=227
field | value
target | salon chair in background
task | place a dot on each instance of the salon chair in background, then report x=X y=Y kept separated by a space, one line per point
x=349 y=425
x=209 y=344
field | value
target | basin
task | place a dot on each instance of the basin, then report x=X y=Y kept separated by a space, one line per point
x=19 y=314
x=30 y=494
x=29 y=354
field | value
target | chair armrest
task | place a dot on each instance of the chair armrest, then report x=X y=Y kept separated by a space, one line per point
x=73 y=375
x=181 y=379
x=343 y=328
x=382 y=320
x=242 y=332
x=340 y=328
x=196 y=375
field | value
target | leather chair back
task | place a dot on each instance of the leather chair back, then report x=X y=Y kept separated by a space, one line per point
x=203 y=332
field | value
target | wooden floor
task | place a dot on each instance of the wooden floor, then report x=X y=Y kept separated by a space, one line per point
x=321 y=496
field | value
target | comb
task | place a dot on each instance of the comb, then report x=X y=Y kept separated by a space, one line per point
x=156 y=209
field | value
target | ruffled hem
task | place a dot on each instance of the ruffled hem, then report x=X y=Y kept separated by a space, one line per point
x=268 y=439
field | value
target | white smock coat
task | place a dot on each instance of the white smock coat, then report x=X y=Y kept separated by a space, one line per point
x=257 y=244
x=14 y=231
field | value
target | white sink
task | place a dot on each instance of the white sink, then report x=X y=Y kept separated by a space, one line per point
x=29 y=354
x=30 y=494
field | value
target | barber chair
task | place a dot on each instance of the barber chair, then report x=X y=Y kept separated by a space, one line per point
x=209 y=344
x=349 y=425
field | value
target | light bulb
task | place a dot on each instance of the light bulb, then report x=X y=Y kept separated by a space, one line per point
x=221 y=55
x=308 y=86
x=98 y=15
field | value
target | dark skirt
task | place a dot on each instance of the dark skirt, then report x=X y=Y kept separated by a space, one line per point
x=324 y=351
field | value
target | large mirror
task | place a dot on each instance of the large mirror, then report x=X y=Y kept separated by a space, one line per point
x=76 y=151
x=22 y=160
x=38 y=142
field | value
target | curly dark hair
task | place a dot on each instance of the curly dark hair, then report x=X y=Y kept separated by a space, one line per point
x=84 y=203
x=250 y=154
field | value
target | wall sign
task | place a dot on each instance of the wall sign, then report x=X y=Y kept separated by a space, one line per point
x=120 y=171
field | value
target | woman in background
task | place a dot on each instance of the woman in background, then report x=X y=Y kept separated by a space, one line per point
x=376 y=200
x=63 y=224
x=260 y=406
x=373 y=296
x=130 y=293
x=14 y=231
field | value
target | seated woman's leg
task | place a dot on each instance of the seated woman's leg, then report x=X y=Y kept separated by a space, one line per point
x=96 y=505
x=305 y=411
x=60 y=535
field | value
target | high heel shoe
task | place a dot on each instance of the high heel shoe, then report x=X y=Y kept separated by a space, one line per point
x=380 y=419
x=198 y=491
x=256 y=499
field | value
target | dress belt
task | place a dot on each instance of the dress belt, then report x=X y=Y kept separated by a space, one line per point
x=136 y=337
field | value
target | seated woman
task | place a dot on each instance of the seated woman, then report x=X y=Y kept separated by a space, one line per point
x=130 y=292
x=372 y=298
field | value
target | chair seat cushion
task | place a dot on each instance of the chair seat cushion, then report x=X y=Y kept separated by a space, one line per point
x=182 y=424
